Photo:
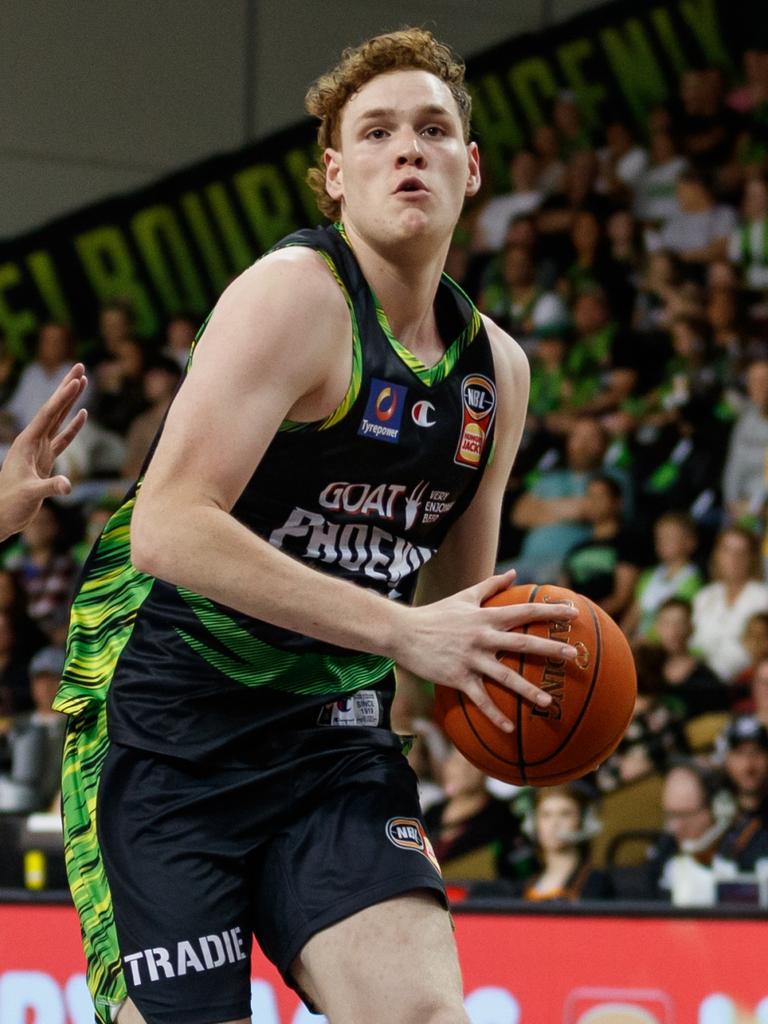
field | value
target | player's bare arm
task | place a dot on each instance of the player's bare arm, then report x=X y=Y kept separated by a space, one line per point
x=459 y=578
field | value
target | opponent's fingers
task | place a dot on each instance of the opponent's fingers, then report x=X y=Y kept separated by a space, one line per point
x=70 y=432
x=506 y=677
x=66 y=408
x=479 y=696
x=527 y=643
x=52 y=412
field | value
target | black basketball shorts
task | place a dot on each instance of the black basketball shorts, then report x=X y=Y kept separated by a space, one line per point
x=198 y=860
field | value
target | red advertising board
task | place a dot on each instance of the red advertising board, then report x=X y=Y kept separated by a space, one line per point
x=526 y=969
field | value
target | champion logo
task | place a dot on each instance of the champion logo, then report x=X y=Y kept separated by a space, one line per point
x=422 y=414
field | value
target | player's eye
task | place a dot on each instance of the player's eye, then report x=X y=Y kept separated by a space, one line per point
x=434 y=131
x=376 y=133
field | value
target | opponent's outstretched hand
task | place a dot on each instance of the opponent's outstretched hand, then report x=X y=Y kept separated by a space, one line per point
x=454 y=642
x=25 y=476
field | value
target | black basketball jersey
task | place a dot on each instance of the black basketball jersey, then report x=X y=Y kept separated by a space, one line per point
x=366 y=495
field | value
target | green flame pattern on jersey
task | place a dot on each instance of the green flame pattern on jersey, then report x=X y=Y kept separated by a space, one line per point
x=103 y=615
x=255 y=663
x=84 y=751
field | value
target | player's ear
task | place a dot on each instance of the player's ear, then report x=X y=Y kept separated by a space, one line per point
x=333 y=174
x=473 y=170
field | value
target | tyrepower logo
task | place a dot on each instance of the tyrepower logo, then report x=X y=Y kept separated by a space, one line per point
x=384 y=411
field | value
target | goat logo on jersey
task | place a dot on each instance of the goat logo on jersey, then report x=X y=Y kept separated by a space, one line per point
x=478 y=395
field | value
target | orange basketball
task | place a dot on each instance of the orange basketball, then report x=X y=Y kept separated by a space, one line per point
x=593 y=699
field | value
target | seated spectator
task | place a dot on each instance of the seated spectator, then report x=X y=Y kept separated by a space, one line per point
x=655 y=736
x=119 y=381
x=563 y=824
x=748 y=243
x=551 y=172
x=161 y=378
x=35 y=741
x=722 y=608
x=556 y=214
x=625 y=246
x=468 y=818
x=746 y=772
x=15 y=695
x=180 y=334
x=708 y=128
x=744 y=480
x=659 y=282
x=696 y=817
x=622 y=162
x=491 y=224
x=573 y=136
x=38 y=381
x=688 y=682
x=552 y=510
x=700 y=230
x=655 y=200
x=45 y=572
x=605 y=567
x=755 y=703
x=13 y=603
x=593 y=267
x=518 y=303
x=675 y=575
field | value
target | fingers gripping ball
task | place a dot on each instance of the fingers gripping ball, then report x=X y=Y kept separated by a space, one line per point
x=593 y=698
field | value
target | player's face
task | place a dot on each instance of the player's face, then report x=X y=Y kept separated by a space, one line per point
x=402 y=169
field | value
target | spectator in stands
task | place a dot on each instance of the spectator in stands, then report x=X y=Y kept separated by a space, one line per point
x=755 y=703
x=687 y=680
x=519 y=303
x=707 y=126
x=659 y=282
x=655 y=735
x=563 y=823
x=746 y=771
x=552 y=510
x=744 y=475
x=696 y=817
x=556 y=214
x=468 y=818
x=161 y=379
x=35 y=741
x=605 y=567
x=748 y=243
x=496 y=214
x=675 y=574
x=45 y=571
x=120 y=393
x=572 y=136
x=622 y=162
x=700 y=230
x=14 y=675
x=551 y=168
x=655 y=199
x=179 y=337
x=39 y=380
x=594 y=269
x=116 y=325
x=722 y=608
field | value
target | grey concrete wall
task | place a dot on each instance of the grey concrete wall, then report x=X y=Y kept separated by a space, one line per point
x=98 y=97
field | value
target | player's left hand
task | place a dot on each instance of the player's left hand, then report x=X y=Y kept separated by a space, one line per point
x=25 y=477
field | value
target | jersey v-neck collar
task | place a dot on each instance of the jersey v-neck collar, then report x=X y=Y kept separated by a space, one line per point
x=429 y=375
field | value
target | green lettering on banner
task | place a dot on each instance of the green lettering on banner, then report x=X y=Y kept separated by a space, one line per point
x=168 y=259
x=43 y=271
x=635 y=66
x=240 y=251
x=210 y=251
x=701 y=16
x=531 y=79
x=663 y=25
x=17 y=325
x=298 y=162
x=496 y=127
x=267 y=203
x=112 y=274
x=590 y=95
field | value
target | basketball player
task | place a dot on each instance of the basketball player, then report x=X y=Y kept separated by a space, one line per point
x=25 y=477
x=229 y=769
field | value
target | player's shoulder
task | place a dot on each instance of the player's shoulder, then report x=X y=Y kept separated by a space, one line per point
x=509 y=359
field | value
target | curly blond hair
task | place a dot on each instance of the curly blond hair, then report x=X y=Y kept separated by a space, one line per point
x=409 y=48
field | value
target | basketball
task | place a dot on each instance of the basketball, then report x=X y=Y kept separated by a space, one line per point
x=593 y=697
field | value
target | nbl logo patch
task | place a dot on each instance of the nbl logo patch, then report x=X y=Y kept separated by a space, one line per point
x=384 y=412
x=409 y=834
x=478 y=396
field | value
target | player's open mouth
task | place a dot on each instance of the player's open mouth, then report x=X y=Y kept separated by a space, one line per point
x=411 y=185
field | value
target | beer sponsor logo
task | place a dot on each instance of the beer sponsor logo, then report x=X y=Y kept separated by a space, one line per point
x=478 y=396
x=409 y=834
x=383 y=414
x=422 y=414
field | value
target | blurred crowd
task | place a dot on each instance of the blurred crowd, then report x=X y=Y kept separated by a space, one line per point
x=633 y=269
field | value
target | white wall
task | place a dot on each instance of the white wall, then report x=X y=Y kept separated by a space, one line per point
x=99 y=96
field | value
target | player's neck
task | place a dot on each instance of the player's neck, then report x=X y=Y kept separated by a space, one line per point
x=405 y=282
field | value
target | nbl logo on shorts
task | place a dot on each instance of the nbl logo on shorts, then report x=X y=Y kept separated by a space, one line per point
x=409 y=834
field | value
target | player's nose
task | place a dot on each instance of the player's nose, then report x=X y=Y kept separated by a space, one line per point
x=410 y=151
